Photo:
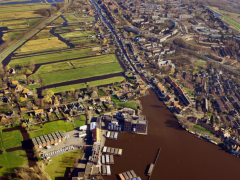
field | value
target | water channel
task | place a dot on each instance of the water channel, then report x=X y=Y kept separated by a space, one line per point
x=182 y=157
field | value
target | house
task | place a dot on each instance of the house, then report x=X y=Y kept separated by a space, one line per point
x=18 y=88
x=142 y=92
x=25 y=91
x=14 y=83
x=38 y=111
x=23 y=109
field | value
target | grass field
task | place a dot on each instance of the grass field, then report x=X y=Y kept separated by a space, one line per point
x=54 y=67
x=52 y=57
x=109 y=58
x=17 y=8
x=91 y=83
x=43 y=34
x=95 y=60
x=123 y=104
x=202 y=129
x=11 y=160
x=73 y=74
x=52 y=127
x=70 y=18
x=12 y=139
x=14 y=22
x=77 y=34
x=57 y=167
x=18 y=15
x=79 y=123
x=106 y=81
x=42 y=44
x=86 y=19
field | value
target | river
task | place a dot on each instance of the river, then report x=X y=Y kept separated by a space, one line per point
x=182 y=157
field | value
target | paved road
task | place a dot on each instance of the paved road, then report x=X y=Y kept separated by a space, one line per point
x=27 y=36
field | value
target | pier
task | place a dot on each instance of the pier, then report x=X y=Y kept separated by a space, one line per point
x=151 y=167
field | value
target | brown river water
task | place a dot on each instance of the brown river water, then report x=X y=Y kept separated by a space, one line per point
x=182 y=157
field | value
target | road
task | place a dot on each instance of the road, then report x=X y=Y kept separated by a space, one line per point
x=28 y=35
x=118 y=40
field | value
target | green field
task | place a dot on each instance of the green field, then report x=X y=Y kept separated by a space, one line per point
x=123 y=104
x=77 y=34
x=70 y=18
x=45 y=58
x=79 y=123
x=16 y=8
x=12 y=139
x=11 y=160
x=54 y=67
x=91 y=83
x=52 y=127
x=57 y=167
x=202 y=129
x=92 y=61
x=73 y=74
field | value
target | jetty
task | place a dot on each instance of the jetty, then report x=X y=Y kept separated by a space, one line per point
x=151 y=167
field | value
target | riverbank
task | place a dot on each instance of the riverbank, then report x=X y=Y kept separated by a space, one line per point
x=181 y=152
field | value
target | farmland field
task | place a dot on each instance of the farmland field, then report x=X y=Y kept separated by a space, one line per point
x=77 y=34
x=18 y=15
x=12 y=139
x=52 y=127
x=41 y=44
x=91 y=83
x=11 y=160
x=17 y=8
x=52 y=57
x=73 y=74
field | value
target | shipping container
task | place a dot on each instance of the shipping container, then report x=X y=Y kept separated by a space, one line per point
x=104 y=149
x=111 y=159
x=103 y=160
x=104 y=170
x=107 y=159
x=108 y=170
x=119 y=152
x=133 y=173
x=121 y=177
x=115 y=135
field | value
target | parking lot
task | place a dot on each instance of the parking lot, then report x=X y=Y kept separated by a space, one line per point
x=73 y=141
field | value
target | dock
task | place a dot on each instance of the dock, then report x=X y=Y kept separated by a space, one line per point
x=151 y=167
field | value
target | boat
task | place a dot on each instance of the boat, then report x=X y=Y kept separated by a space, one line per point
x=213 y=142
x=192 y=132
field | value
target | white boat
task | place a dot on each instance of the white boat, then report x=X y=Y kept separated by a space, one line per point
x=192 y=132
x=213 y=142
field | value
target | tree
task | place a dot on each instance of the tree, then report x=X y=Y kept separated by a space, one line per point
x=24 y=125
x=29 y=105
x=28 y=72
x=48 y=92
x=7 y=67
x=131 y=34
x=21 y=99
x=72 y=90
x=47 y=99
x=31 y=65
